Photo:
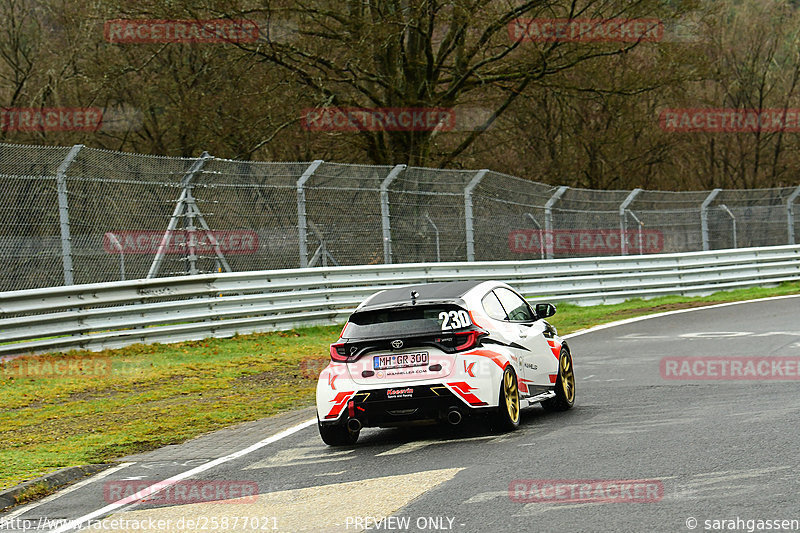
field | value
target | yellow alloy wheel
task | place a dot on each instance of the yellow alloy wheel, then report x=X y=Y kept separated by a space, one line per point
x=511 y=393
x=567 y=378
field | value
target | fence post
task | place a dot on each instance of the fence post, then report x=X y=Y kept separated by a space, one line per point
x=704 y=216
x=385 y=221
x=468 y=222
x=623 y=241
x=733 y=218
x=641 y=226
x=436 y=235
x=541 y=235
x=790 y=213
x=118 y=245
x=63 y=213
x=548 y=218
x=302 y=223
x=186 y=183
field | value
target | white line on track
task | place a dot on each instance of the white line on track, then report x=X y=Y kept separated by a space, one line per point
x=161 y=485
x=76 y=486
x=675 y=312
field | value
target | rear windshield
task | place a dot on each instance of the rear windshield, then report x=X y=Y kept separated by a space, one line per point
x=406 y=321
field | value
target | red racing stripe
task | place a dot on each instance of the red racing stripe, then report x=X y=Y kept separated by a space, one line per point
x=463 y=389
x=555 y=348
x=339 y=403
x=494 y=356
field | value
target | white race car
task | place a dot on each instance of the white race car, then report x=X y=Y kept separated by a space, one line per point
x=440 y=352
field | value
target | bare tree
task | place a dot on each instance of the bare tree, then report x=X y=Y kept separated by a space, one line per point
x=753 y=49
x=423 y=53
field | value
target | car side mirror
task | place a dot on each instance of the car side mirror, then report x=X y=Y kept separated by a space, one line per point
x=545 y=310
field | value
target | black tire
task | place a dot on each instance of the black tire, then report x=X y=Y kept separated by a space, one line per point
x=565 y=385
x=506 y=417
x=336 y=435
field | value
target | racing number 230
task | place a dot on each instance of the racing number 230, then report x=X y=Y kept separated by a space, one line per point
x=454 y=319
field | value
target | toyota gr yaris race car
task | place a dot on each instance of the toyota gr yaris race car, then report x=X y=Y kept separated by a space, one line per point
x=441 y=352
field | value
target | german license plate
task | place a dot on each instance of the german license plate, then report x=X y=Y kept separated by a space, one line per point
x=403 y=360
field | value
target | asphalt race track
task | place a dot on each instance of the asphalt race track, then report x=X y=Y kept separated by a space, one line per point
x=702 y=450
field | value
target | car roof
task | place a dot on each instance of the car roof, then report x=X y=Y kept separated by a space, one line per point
x=428 y=293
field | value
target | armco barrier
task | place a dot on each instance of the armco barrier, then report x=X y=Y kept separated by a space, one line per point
x=108 y=315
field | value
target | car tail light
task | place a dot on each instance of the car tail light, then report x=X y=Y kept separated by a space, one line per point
x=338 y=352
x=469 y=339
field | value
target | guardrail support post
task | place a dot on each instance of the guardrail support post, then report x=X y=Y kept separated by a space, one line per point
x=733 y=218
x=641 y=227
x=468 y=220
x=385 y=219
x=63 y=213
x=548 y=219
x=541 y=235
x=114 y=240
x=704 y=216
x=790 y=214
x=186 y=183
x=436 y=234
x=302 y=224
x=623 y=241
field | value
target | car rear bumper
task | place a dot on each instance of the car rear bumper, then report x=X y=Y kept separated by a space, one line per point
x=386 y=407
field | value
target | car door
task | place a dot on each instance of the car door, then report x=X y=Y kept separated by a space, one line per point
x=530 y=345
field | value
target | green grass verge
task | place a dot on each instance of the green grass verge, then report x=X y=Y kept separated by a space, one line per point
x=33 y=492
x=163 y=394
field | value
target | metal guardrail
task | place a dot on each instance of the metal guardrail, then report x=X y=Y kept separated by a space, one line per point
x=109 y=315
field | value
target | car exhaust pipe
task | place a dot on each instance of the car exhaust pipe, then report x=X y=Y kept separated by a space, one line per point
x=454 y=416
x=354 y=424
